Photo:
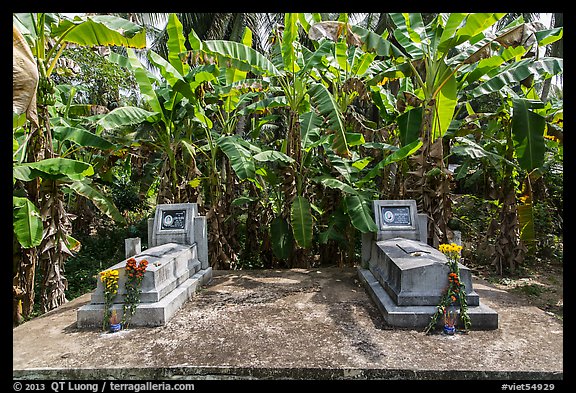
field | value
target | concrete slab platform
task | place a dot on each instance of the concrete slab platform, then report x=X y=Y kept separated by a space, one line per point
x=290 y=324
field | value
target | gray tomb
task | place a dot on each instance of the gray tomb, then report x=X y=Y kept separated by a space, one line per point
x=177 y=268
x=405 y=276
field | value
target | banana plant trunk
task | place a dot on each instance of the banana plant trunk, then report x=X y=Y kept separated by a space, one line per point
x=221 y=231
x=428 y=181
x=293 y=183
x=509 y=249
x=26 y=259
x=54 y=250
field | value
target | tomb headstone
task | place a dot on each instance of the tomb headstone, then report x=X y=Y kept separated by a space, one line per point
x=177 y=267
x=405 y=276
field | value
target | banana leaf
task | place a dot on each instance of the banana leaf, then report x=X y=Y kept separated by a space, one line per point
x=104 y=204
x=330 y=182
x=124 y=116
x=327 y=106
x=273 y=156
x=81 y=137
x=301 y=221
x=444 y=108
x=526 y=223
x=146 y=88
x=53 y=168
x=410 y=33
x=101 y=30
x=547 y=37
x=310 y=124
x=374 y=42
x=281 y=238
x=409 y=124
x=239 y=155
x=289 y=36
x=519 y=71
x=27 y=222
x=176 y=44
x=241 y=56
x=456 y=33
x=528 y=133
x=360 y=213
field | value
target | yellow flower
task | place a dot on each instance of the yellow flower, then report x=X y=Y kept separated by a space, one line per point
x=451 y=250
x=110 y=280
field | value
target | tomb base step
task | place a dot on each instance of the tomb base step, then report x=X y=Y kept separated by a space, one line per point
x=481 y=316
x=148 y=314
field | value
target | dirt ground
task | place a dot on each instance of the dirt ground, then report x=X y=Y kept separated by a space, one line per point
x=297 y=323
x=540 y=285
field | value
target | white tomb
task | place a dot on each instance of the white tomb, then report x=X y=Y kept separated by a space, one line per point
x=405 y=276
x=177 y=268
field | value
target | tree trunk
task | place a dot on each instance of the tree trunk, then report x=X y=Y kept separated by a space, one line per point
x=27 y=259
x=509 y=250
x=555 y=50
x=54 y=247
x=428 y=182
x=253 y=222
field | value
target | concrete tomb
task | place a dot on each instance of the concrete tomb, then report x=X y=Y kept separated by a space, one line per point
x=405 y=276
x=177 y=268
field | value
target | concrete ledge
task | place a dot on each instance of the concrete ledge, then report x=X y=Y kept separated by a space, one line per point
x=481 y=316
x=264 y=373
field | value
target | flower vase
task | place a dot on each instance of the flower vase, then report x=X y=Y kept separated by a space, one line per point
x=115 y=327
x=449 y=329
x=450 y=319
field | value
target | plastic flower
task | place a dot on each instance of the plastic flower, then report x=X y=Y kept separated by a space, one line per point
x=455 y=292
x=135 y=275
x=109 y=280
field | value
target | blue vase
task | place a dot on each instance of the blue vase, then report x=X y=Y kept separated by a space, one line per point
x=115 y=327
x=449 y=329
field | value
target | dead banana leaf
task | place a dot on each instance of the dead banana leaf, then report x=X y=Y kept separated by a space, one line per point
x=333 y=30
x=24 y=78
x=511 y=38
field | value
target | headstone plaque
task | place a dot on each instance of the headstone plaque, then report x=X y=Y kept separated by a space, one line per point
x=396 y=216
x=174 y=223
x=173 y=219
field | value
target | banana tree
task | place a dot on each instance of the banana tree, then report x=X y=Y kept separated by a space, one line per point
x=238 y=59
x=311 y=104
x=441 y=79
x=40 y=171
x=516 y=82
x=194 y=110
x=513 y=145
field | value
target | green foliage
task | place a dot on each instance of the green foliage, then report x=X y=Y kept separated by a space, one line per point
x=98 y=81
x=281 y=237
x=298 y=141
